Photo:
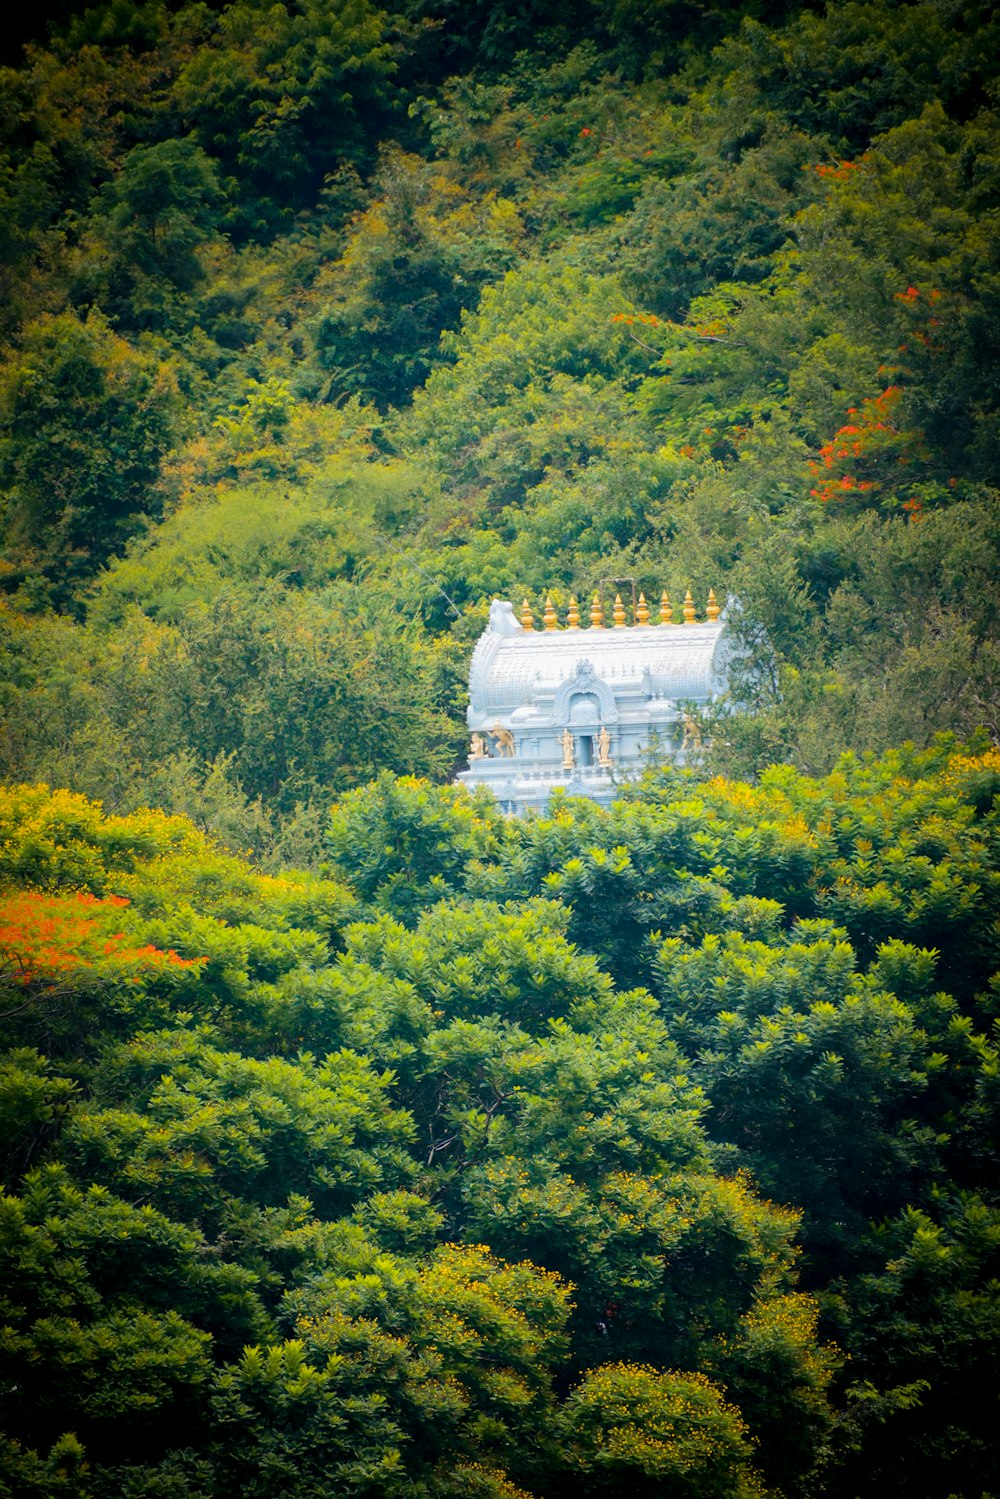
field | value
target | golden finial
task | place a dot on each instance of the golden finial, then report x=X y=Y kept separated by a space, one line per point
x=642 y=611
x=666 y=613
x=527 y=618
x=573 y=615
x=712 y=612
x=597 y=613
x=549 y=618
x=690 y=617
x=619 y=612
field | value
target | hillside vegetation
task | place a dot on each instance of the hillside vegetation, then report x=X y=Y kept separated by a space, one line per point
x=401 y=1150
x=605 y=1152
x=324 y=325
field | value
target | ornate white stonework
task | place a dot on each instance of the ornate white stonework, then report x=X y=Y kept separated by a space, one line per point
x=586 y=709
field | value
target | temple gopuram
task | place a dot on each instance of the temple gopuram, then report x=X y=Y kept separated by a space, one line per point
x=589 y=708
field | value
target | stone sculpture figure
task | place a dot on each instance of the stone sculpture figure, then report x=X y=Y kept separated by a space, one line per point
x=504 y=739
x=692 y=734
x=502 y=621
x=604 y=759
x=478 y=749
x=568 y=748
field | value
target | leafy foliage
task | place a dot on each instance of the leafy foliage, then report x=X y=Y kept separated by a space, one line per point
x=432 y=1201
x=84 y=421
x=600 y=1150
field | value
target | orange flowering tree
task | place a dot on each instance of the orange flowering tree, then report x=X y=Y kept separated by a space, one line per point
x=866 y=458
x=43 y=937
x=56 y=950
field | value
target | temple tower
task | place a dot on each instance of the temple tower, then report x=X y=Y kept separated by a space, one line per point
x=589 y=708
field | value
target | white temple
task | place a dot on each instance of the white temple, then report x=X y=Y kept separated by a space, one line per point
x=587 y=709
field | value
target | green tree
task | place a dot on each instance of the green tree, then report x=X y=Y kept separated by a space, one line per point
x=214 y=1125
x=397 y=1378
x=101 y=1307
x=632 y=1426
x=416 y=260
x=150 y=221
x=85 y=419
x=921 y=1330
x=405 y=844
x=281 y=96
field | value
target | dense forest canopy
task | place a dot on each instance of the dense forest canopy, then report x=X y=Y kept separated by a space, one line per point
x=356 y=1140
x=594 y=1152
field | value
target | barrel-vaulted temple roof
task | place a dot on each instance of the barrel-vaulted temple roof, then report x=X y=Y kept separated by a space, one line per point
x=584 y=707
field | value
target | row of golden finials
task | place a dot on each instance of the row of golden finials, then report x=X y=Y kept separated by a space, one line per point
x=550 y=619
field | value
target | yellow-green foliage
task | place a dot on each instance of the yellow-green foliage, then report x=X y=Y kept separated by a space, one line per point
x=640 y=1427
